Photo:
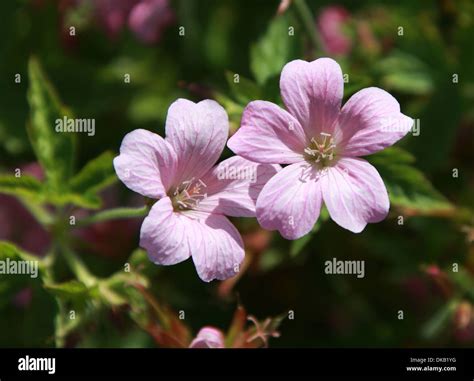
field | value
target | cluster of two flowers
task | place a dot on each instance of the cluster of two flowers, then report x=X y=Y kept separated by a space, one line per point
x=319 y=143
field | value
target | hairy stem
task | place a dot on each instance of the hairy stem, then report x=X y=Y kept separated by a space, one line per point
x=304 y=13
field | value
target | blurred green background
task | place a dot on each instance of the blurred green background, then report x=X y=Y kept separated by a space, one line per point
x=428 y=65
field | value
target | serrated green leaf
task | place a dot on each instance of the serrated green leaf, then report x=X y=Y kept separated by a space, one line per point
x=31 y=189
x=407 y=186
x=10 y=284
x=69 y=290
x=96 y=175
x=10 y=250
x=54 y=150
x=243 y=89
x=272 y=51
x=24 y=186
x=88 y=201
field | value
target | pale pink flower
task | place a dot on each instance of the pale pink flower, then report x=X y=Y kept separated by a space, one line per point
x=208 y=337
x=321 y=143
x=194 y=196
x=331 y=23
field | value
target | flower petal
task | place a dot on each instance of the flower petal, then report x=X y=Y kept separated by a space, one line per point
x=208 y=337
x=354 y=194
x=168 y=237
x=221 y=251
x=146 y=164
x=268 y=134
x=291 y=201
x=233 y=186
x=197 y=132
x=312 y=92
x=371 y=121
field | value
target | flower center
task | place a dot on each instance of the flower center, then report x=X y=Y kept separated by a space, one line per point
x=321 y=150
x=188 y=194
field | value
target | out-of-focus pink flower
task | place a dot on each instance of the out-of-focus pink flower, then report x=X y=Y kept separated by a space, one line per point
x=208 y=337
x=149 y=18
x=194 y=196
x=330 y=24
x=321 y=143
x=146 y=18
x=113 y=14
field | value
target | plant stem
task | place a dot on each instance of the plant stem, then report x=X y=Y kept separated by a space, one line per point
x=113 y=214
x=304 y=12
x=38 y=211
x=78 y=267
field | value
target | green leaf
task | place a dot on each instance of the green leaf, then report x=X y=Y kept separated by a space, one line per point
x=55 y=150
x=406 y=185
x=69 y=290
x=89 y=201
x=243 y=89
x=24 y=186
x=406 y=73
x=35 y=192
x=272 y=51
x=10 y=250
x=96 y=175
x=11 y=284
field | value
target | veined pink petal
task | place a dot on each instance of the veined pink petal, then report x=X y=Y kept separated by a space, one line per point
x=369 y=122
x=208 y=337
x=146 y=164
x=291 y=201
x=197 y=132
x=233 y=186
x=354 y=194
x=312 y=92
x=221 y=251
x=169 y=237
x=268 y=134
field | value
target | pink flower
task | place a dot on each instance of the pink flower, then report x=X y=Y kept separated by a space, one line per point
x=148 y=19
x=193 y=196
x=331 y=22
x=208 y=337
x=321 y=143
x=113 y=14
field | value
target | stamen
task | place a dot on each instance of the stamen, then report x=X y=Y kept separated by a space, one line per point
x=321 y=150
x=188 y=194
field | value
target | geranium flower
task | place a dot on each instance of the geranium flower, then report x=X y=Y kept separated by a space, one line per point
x=193 y=196
x=321 y=143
